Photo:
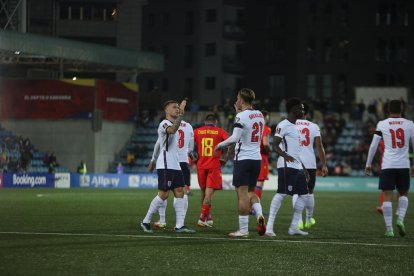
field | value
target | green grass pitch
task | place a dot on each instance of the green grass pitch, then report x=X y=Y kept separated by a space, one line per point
x=94 y=232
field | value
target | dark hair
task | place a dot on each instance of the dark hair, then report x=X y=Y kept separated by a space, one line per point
x=265 y=113
x=292 y=102
x=395 y=107
x=247 y=95
x=167 y=103
x=211 y=118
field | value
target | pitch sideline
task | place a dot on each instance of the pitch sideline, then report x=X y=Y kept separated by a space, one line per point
x=203 y=238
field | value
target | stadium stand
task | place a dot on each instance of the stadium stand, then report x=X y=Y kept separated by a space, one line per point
x=18 y=155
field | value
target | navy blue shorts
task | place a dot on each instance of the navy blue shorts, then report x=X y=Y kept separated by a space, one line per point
x=169 y=179
x=312 y=180
x=246 y=172
x=291 y=181
x=186 y=173
x=394 y=178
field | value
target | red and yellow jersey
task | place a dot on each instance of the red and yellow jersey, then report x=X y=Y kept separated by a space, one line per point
x=206 y=138
x=266 y=132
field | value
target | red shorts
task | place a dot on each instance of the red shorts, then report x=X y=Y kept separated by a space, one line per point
x=264 y=170
x=210 y=178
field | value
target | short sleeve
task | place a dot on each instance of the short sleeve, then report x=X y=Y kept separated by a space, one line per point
x=162 y=128
x=238 y=121
x=280 y=131
x=317 y=130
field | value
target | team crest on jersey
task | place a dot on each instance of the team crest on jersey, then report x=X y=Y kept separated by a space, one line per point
x=290 y=188
x=169 y=183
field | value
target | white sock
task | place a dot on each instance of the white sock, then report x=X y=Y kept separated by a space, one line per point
x=244 y=224
x=310 y=205
x=274 y=208
x=185 y=204
x=387 y=212
x=402 y=207
x=257 y=207
x=153 y=208
x=161 y=211
x=179 y=212
x=294 y=198
x=297 y=214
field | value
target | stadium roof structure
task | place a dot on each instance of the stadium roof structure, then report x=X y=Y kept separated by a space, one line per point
x=37 y=50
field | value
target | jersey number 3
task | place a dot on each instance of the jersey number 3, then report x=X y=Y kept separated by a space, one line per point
x=306 y=142
x=397 y=138
x=181 y=139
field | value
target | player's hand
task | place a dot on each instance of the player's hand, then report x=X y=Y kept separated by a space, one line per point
x=151 y=166
x=307 y=176
x=289 y=158
x=216 y=150
x=324 y=171
x=193 y=156
x=182 y=105
x=223 y=162
x=368 y=171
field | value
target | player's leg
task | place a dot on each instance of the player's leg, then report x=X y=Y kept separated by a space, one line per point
x=387 y=182
x=202 y=182
x=179 y=204
x=187 y=182
x=240 y=175
x=206 y=220
x=379 y=208
x=300 y=187
x=310 y=201
x=163 y=177
x=259 y=188
x=283 y=177
x=162 y=223
x=403 y=185
x=214 y=182
x=254 y=199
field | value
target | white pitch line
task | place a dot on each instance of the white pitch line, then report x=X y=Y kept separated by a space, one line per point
x=205 y=238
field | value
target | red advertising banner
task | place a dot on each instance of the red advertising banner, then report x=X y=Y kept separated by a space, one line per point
x=67 y=99
x=118 y=101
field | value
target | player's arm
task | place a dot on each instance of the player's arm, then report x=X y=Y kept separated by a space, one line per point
x=155 y=154
x=321 y=154
x=234 y=138
x=176 y=124
x=266 y=143
x=376 y=139
x=279 y=151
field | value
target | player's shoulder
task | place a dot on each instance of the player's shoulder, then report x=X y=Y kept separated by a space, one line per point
x=165 y=123
x=284 y=123
x=186 y=125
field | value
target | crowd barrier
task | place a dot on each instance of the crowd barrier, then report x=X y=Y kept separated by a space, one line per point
x=150 y=181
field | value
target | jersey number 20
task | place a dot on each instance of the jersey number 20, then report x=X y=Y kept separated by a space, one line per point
x=397 y=138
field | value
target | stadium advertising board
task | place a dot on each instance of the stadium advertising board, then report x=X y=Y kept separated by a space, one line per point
x=28 y=180
x=143 y=181
x=67 y=99
x=62 y=180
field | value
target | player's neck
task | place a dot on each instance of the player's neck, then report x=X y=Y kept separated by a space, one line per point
x=395 y=115
x=169 y=117
x=246 y=106
x=291 y=118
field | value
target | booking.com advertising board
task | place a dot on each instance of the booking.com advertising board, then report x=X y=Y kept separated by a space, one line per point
x=150 y=181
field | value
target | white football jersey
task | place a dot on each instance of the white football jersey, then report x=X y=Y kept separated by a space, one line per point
x=185 y=135
x=168 y=157
x=252 y=123
x=308 y=131
x=290 y=143
x=396 y=133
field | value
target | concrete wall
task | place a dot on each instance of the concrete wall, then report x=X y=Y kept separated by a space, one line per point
x=74 y=140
